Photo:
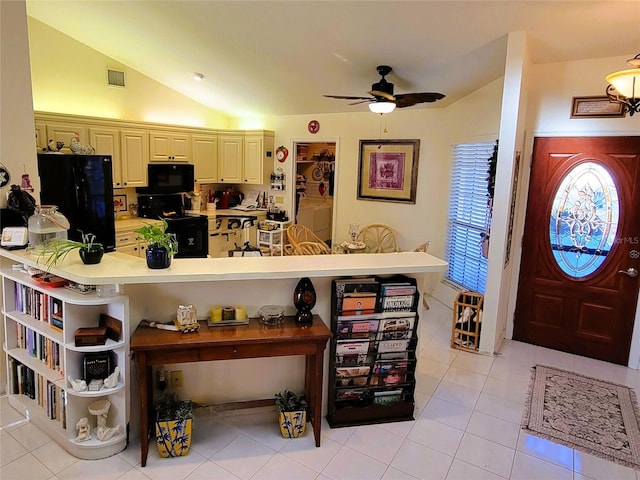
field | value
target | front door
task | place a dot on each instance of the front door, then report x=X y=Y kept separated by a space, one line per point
x=579 y=280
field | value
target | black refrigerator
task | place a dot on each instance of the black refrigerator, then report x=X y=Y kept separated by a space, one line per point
x=81 y=186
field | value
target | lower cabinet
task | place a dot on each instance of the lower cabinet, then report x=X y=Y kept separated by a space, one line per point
x=71 y=383
x=373 y=350
x=126 y=241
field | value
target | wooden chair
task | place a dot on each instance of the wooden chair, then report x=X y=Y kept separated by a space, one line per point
x=297 y=234
x=379 y=238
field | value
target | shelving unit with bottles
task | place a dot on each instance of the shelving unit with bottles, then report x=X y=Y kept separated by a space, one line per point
x=40 y=323
x=374 y=322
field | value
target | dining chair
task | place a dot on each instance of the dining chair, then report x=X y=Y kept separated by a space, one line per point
x=297 y=234
x=312 y=248
x=379 y=238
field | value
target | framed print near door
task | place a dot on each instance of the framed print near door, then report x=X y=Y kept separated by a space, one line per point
x=388 y=170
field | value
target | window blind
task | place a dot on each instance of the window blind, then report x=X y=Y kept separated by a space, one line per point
x=468 y=215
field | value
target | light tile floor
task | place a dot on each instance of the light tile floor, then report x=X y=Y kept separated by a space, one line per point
x=467 y=428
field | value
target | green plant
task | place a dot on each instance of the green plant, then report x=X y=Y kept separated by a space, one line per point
x=54 y=251
x=155 y=234
x=170 y=407
x=287 y=401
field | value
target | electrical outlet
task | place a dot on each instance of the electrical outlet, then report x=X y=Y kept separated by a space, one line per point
x=176 y=379
x=279 y=199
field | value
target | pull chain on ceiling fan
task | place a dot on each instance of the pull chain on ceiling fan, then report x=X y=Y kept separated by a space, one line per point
x=382 y=99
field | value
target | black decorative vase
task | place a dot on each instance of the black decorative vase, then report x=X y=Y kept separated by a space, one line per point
x=158 y=257
x=304 y=299
x=91 y=256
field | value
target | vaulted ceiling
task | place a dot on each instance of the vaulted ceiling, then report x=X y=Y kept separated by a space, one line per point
x=280 y=57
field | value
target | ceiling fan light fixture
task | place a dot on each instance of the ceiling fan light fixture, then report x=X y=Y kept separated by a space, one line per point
x=382 y=107
x=624 y=86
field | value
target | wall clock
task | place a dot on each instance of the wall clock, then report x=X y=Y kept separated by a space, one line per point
x=282 y=153
x=313 y=126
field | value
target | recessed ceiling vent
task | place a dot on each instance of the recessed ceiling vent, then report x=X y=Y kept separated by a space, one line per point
x=115 y=78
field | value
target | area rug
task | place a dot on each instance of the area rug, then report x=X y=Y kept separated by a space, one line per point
x=590 y=415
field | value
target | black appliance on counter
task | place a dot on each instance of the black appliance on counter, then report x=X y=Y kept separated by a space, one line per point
x=165 y=178
x=81 y=186
x=191 y=231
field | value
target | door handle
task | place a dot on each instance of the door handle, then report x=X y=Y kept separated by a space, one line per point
x=631 y=272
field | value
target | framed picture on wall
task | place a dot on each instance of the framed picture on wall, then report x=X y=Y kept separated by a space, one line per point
x=388 y=170
x=595 y=107
x=119 y=203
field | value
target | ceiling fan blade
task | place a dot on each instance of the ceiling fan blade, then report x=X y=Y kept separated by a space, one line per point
x=346 y=97
x=378 y=93
x=409 y=99
x=369 y=100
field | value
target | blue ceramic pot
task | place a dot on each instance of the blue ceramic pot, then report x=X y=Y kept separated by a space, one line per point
x=158 y=257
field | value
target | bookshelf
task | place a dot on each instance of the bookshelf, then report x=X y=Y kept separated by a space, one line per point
x=374 y=322
x=43 y=361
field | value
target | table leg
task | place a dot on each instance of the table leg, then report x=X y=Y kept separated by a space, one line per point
x=313 y=386
x=144 y=381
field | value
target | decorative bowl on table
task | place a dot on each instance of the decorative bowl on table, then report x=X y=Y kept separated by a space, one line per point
x=271 y=315
x=356 y=247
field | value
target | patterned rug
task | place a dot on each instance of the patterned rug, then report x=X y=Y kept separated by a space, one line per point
x=590 y=415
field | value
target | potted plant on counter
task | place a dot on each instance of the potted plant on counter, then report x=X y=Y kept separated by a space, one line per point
x=54 y=251
x=292 y=413
x=174 y=418
x=162 y=246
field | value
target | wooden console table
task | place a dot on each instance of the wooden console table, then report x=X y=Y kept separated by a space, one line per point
x=151 y=346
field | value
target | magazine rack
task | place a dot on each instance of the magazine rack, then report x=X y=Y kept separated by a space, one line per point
x=373 y=350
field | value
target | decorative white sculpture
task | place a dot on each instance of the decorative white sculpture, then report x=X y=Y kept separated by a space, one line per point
x=100 y=408
x=84 y=430
x=112 y=380
x=78 y=385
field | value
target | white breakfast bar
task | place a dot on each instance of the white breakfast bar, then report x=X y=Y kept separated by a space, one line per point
x=250 y=282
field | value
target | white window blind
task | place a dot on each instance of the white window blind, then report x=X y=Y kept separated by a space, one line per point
x=468 y=215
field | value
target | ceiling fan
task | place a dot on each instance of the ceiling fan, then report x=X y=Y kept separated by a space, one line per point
x=382 y=99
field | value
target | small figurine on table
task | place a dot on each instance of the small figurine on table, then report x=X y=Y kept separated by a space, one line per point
x=186 y=319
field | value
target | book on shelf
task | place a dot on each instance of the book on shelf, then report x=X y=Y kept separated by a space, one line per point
x=397 y=302
x=97 y=365
x=352 y=376
x=389 y=372
x=348 y=347
x=359 y=303
x=349 y=286
x=385 y=346
x=396 y=328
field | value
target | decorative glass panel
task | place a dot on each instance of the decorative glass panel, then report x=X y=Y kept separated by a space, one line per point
x=584 y=219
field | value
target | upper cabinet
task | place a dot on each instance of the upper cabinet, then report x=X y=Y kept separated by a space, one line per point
x=106 y=141
x=65 y=132
x=205 y=158
x=134 y=146
x=258 y=157
x=245 y=158
x=169 y=147
x=230 y=157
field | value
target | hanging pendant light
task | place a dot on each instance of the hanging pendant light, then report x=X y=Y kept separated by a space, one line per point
x=624 y=86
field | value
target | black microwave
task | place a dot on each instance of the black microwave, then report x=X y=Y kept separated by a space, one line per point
x=168 y=178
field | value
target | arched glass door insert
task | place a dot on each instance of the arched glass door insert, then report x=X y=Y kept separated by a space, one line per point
x=584 y=219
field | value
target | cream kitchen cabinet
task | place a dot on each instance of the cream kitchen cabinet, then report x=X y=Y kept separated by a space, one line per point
x=126 y=237
x=134 y=150
x=65 y=132
x=245 y=158
x=230 y=157
x=106 y=141
x=41 y=136
x=169 y=147
x=258 y=157
x=205 y=158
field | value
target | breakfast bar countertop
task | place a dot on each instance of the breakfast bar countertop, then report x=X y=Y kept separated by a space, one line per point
x=120 y=268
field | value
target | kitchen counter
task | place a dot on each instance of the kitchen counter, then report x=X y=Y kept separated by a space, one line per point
x=126 y=269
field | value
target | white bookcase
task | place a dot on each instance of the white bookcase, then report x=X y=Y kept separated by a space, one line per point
x=41 y=359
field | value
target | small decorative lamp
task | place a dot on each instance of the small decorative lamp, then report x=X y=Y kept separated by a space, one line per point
x=304 y=299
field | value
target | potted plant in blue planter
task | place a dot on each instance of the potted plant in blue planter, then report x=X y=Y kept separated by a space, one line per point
x=162 y=246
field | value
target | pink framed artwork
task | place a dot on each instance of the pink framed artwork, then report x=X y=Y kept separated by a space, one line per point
x=388 y=170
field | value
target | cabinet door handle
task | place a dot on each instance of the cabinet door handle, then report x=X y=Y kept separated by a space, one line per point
x=234 y=351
